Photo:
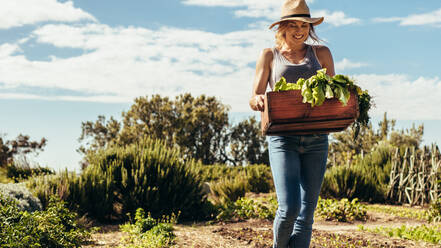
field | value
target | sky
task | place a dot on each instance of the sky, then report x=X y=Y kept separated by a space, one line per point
x=66 y=62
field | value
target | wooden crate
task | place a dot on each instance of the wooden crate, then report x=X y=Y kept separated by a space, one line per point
x=286 y=114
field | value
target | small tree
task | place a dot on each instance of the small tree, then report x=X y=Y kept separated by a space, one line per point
x=343 y=147
x=247 y=143
x=199 y=126
x=22 y=145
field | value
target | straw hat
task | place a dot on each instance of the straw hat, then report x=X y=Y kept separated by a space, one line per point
x=297 y=10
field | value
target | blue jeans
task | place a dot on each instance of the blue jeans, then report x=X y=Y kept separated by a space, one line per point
x=298 y=165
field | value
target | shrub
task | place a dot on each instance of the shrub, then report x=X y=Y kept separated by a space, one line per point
x=22 y=196
x=367 y=178
x=400 y=211
x=60 y=185
x=259 y=178
x=245 y=208
x=19 y=172
x=428 y=233
x=351 y=182
x=434 y=212
x=118 y=180
x=228 y=190
x=147 y=232
x=342 y=211
x=55 y=227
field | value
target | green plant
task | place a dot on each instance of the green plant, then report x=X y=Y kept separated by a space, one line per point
x=259 y=178
x=20 y=172
x=319 y=87
x=54 y=227
x=228 y=190
x=118 y=180
x=400 y=211
x=246 y=208
x=22 y=196
x=351 y=182
x=428 y=233
x=148 y=232
x=434 y=212
x=342 y=211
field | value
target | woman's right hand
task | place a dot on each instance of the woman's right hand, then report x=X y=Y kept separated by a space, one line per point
x=258 y=102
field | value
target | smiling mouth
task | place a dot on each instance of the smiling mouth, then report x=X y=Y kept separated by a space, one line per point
x=298 y=37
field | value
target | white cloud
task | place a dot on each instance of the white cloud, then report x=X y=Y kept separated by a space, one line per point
x=122 y=63
x=346 y=64
x=8 y=49
x=431 y=18
x=103 y=98
x=270 y=10
x=402 y=98
x=336 y=18
x=125 y=62
x=24 y=12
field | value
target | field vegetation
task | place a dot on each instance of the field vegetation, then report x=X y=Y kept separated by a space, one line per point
x=157 y=177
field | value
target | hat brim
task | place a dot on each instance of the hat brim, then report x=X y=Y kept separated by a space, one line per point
x=313 y=21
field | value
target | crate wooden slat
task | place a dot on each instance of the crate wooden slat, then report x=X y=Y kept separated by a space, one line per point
x=286 y=114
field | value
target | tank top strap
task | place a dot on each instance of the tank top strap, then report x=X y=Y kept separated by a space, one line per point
x=312 y=55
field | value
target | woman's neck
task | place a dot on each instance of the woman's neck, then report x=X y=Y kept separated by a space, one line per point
x=294 y=47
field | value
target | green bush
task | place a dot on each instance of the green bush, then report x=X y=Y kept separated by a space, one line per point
x=434 y=212
x=245 y=208
x=367 y=178
x=147 y=232
x=400 y=211
x=259 y=178
x=21 y=172
x=119 y=180
x=222 y=178
x=428 y=233
x=228 y=190
x=64 y=185
x=342 y=211
x=22 y=196
x=351 y=182
x=55 y=227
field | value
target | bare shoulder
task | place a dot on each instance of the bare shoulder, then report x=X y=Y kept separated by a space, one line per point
x=267 y=54
x=265 y=58
x=325 y=59
x=322 y=50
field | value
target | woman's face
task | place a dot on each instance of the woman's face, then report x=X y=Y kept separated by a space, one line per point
x=296 y=32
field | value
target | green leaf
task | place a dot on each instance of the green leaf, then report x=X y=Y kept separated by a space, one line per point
x=341 y=79
x=318 y=95
x=307 y=94
x=280 y=84
x=342 y=93
x=329 y=93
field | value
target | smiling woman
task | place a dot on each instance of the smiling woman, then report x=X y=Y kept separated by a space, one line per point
x=297 y=162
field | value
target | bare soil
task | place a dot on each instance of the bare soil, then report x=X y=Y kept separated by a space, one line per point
x=258 y=234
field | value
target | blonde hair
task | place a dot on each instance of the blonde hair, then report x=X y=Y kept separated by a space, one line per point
x=281 y=31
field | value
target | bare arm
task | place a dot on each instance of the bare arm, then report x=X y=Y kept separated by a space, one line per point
x=325 y=58
x=263 y=71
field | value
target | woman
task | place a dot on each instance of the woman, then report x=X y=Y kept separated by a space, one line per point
x=298 y=162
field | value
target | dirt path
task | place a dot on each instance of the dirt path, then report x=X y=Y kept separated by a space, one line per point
x=258 y=234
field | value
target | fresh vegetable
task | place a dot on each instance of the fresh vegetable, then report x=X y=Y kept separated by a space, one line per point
x=316 y=89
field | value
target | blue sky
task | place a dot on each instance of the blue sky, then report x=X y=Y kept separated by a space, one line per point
x=66 y=62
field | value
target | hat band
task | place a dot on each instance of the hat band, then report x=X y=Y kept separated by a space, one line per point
x=296 y=15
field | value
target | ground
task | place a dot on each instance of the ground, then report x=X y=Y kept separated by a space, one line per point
x=258 y=234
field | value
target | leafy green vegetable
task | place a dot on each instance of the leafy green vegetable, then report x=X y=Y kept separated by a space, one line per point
x=329 y=93
x=316 y=89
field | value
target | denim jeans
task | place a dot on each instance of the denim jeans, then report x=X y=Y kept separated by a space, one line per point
x=298 y=166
